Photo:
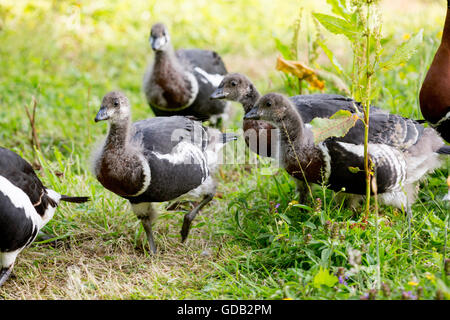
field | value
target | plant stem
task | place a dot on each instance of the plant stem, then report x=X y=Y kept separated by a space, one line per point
x=447 y=226
x=366 y=148
x=377 y=233
x=366 y=116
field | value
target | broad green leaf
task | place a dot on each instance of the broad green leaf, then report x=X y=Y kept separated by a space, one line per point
x=336 y=25
x=335 y=126
x=323 y=277
x=403 y=53
x=339 y=7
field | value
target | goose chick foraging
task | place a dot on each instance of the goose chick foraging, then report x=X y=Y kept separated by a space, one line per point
x=261 y=136
x=402 y=151
x=26 y=206
x=180 y=82
x=156 y=160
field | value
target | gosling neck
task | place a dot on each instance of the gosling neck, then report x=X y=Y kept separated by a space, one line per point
x=119 y=134
x=178 y=83
x=249 y=99
x=292 y=130
x=299 y=155
x=167 y=56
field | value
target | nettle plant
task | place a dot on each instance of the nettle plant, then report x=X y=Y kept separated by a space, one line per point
x=360 y=22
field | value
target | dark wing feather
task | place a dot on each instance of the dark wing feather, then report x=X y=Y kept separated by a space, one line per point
x=207 y=60
x=21 y=174
x=211 y=63
x=170 y=180
x=389 y=129
x=312 y=106
x=162 y=134
x=341 y=177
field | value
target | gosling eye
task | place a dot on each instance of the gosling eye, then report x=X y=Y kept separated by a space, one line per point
x=268 y=103
x=234 y=83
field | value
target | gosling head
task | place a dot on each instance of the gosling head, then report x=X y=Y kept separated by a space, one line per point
x=159 y=37
x=115 y=107
x=234 y=86
x=272 y=107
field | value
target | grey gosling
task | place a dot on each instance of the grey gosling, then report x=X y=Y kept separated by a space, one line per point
x=180 y=82
x=156 y=160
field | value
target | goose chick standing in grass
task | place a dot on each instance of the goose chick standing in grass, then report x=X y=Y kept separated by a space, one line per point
x=26 y=206
x=180 y=82
x=402 y=151
x=156 y=160
x=237 y=87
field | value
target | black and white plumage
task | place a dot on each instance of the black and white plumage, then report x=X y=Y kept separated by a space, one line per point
x=26 y=205
x=181 y=82
x=156 y=160
x=402 y=151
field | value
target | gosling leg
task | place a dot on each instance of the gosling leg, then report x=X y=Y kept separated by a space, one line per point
x=147 y=224
x=189 y=217
x=145 y=212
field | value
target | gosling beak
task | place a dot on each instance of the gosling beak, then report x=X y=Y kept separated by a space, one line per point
x=102 y=114
x=157 y=43
x=252 y=114
x=218 y=94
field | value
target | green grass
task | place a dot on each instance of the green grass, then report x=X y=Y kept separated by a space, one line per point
x=241 y=245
